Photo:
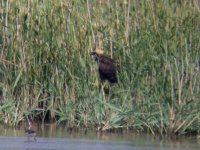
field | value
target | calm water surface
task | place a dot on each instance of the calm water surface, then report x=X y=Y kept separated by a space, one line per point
x=51 y=137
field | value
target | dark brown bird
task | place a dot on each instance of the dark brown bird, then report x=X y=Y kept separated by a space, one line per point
x=108 y=70
x=30 y=133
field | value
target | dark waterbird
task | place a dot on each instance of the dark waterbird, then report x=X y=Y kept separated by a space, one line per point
x=30 y=133
x=107 y=67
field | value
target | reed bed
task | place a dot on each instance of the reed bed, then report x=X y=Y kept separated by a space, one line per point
x=47 y=73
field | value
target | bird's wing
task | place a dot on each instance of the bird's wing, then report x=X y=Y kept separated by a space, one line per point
x=107 y=67
x=106 y=60
x=107 y=64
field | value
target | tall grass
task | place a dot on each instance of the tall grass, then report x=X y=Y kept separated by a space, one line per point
x=47 y=73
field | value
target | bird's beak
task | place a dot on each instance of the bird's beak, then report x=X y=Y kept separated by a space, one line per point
x=92 y=53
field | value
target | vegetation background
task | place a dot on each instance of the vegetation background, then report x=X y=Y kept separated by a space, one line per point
x=47 y=73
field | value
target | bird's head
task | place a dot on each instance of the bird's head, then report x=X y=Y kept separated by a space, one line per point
x=96 y=53
x=98 y=50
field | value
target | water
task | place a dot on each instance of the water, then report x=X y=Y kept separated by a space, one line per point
x=51 y=137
